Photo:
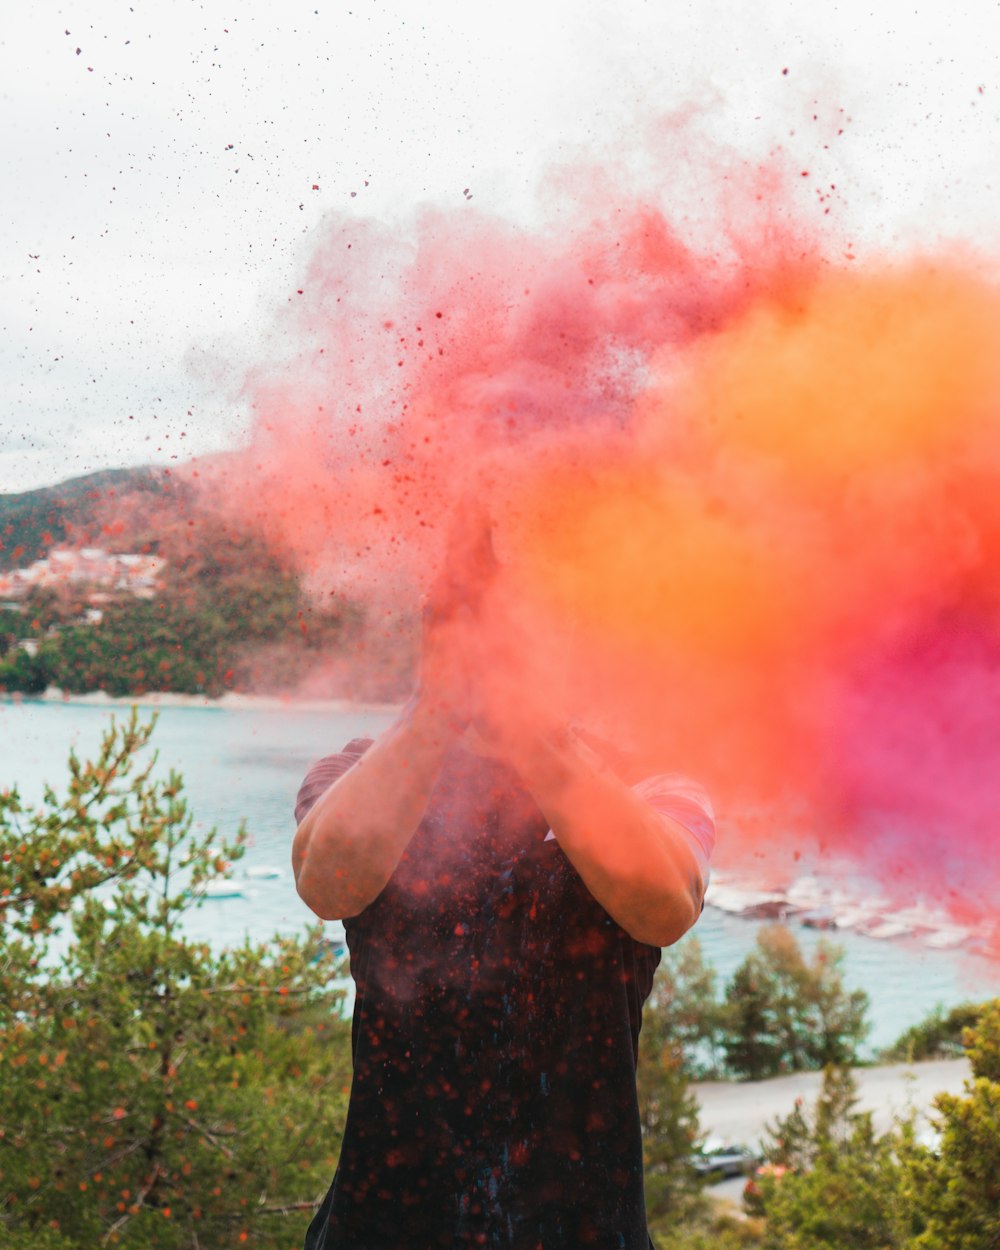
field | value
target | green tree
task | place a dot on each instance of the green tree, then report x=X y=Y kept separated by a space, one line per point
x=786 y=1014
x=958 y=1189
x=26 y=674
x=668 y=1114
x=939 y=1035
x=156 y=1095
x=230 y=612
x=832 y=1182
x=144 y=645
x=684 y=1007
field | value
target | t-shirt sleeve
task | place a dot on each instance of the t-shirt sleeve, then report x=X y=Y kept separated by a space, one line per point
x=325 y=772
x=687 y=805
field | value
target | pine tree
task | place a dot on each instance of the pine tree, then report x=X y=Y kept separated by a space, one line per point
x=156 y=1094
x=958 y=1190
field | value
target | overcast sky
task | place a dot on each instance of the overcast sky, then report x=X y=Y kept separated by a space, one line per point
x=167 y=163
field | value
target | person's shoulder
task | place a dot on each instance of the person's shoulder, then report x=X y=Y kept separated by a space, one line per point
x=325 y=772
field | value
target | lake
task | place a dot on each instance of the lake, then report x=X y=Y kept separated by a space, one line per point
x=245 y=765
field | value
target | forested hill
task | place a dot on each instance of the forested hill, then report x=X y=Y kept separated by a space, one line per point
x=36 y=520
x=176 y=595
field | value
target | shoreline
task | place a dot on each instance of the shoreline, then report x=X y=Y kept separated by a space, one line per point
x=230 y=701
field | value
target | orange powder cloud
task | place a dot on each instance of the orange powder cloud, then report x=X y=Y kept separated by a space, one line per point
x=747 y=505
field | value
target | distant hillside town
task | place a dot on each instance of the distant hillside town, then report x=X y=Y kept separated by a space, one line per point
x=96 y=573
x=185 y=602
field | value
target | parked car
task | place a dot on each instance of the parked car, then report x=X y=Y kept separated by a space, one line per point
x=718 y=1160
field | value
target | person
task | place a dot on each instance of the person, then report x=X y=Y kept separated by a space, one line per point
x=505 y=898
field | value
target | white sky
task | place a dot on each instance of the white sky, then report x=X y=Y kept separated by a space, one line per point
x=158 y=202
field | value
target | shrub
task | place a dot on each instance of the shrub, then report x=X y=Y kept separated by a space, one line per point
x=938 y=1036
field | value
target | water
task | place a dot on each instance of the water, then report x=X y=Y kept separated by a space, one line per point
x=238 y=766
x=245 y=765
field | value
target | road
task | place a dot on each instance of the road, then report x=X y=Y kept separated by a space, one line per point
x=739 y=1113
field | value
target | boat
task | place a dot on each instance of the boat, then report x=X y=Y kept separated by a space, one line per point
x=770 y=909
x=807 y=894
x=885 y=928
x=922 y=918
x=263 y=872
x=336 y=946
x=223 y=887
x=739 y=902
x=852 y=918
x=818 y=918
x=947 y=937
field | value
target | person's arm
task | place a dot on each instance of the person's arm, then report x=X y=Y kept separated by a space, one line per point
x=637 y=862
x=349 y=843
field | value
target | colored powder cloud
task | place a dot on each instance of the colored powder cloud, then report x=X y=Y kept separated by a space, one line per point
x=744 y=496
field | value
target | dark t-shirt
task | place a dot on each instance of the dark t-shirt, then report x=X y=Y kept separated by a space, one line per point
x=495 y=1038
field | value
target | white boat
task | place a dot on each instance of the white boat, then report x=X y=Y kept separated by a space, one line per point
x=807 y=893
x=851 y=917
x=921 y=917
x=263 y=872
x=223 y=887
x=885 y=928
x=735 y=901
x=948 y=937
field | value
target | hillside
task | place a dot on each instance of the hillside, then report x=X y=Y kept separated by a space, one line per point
x=225 y=610
x=35 y=520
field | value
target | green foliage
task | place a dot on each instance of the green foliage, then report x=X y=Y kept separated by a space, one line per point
x=34 y=521
x=958 y=1190
x=836 y=1185
x=779 y=1013
x=226 y=595
x=143 y=645
x=22 y=673
x=784 y=1014
x=939 y=1036
x=797 y=1140
x=668 y=1114
x=832 y=1183
x=708 y=1230
x=156 y=1095
x=854 y=1198
x=684 y=1008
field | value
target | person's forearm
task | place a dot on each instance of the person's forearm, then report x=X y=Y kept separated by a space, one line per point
x=348 y=845
x=635 y=861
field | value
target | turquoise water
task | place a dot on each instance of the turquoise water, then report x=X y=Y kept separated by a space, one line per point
x=246 y=765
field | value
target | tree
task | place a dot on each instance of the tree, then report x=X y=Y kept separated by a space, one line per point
x=832 y=1183
x=958 y=1190
x=668 y=1113
x=230 y=611
x=157 y=1095
x=24 y=673
x=939 y=1035
x=684 y=1007
x=784 y=1014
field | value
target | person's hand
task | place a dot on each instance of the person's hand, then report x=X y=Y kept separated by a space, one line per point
x=451 y=618
x=444 y=688
x=513 y=701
